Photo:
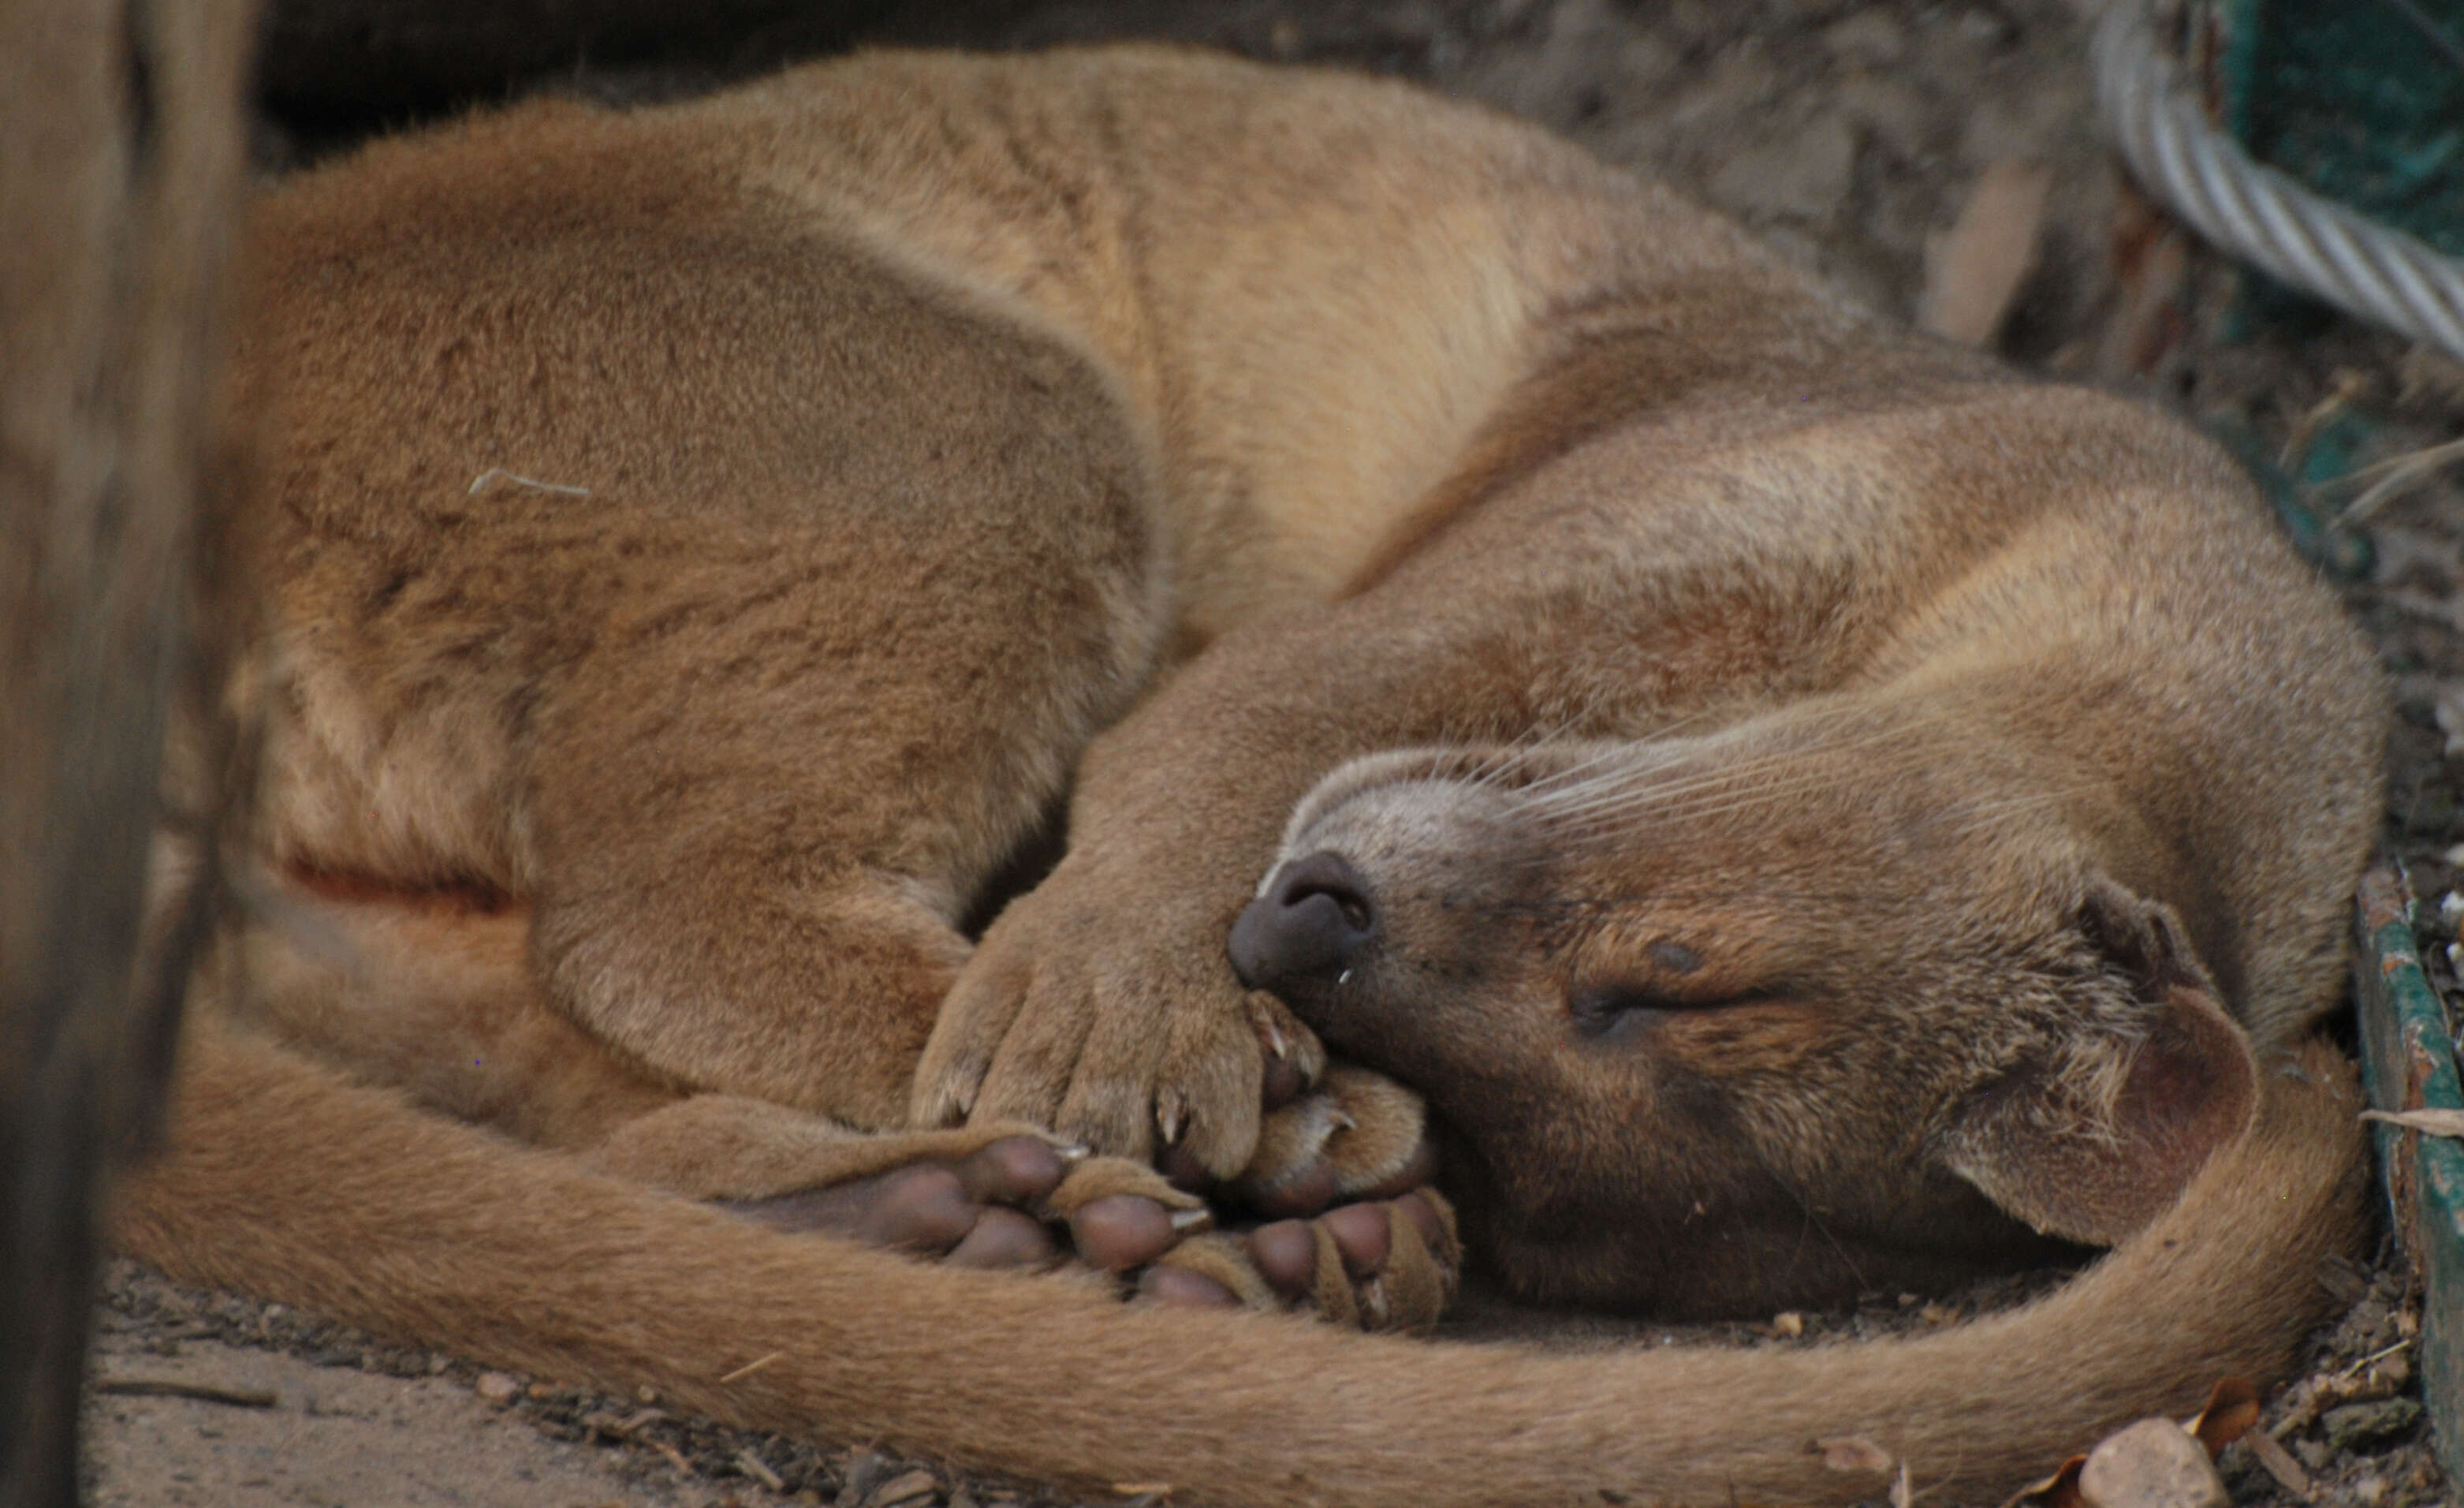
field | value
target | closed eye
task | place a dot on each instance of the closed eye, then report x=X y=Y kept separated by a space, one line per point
x=1597 y=1010
x=1603 y=1010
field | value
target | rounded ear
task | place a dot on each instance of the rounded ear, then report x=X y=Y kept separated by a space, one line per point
x=2090 y=1139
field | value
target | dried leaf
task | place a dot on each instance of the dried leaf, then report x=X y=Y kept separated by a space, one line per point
x=1853 y=1452
x=2057 y=1490
x=1975 y=271
x=2429 y=1123
x=2230 y=1410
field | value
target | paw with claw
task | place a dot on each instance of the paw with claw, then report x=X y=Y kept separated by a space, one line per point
x=1138 y=1040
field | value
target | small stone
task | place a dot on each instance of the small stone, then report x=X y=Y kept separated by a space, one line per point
x=2154 y=1463
x=856 y=1481
x=497 y=1387
x=2368 y=1427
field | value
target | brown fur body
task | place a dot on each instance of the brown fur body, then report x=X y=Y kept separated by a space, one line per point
x=701 y=544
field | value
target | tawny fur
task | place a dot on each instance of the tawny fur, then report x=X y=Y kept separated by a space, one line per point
x=702 y=542
x=409 y=1223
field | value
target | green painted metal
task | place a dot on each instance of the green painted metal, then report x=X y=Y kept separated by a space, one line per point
x=2409 y=1056
x=2361 y=99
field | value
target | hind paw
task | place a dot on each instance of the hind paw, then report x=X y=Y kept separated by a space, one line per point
x=1387 y=1265
x=1016 y=1202
x=971 y=1211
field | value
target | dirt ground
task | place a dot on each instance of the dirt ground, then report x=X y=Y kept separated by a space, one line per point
x=1848 y=134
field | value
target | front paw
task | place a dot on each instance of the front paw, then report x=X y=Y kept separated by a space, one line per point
x=1098 y=1006
x=1356 y=1136
x=1353 y=1233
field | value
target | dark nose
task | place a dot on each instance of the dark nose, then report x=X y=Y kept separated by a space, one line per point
x=1312 y=924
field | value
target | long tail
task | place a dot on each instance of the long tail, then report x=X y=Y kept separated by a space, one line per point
x=284 y=1181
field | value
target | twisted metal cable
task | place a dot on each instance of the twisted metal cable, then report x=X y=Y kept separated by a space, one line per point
x=2258 y=215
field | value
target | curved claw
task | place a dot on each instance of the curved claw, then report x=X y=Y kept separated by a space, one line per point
x=1358 y=1136
x=1130 y=1048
